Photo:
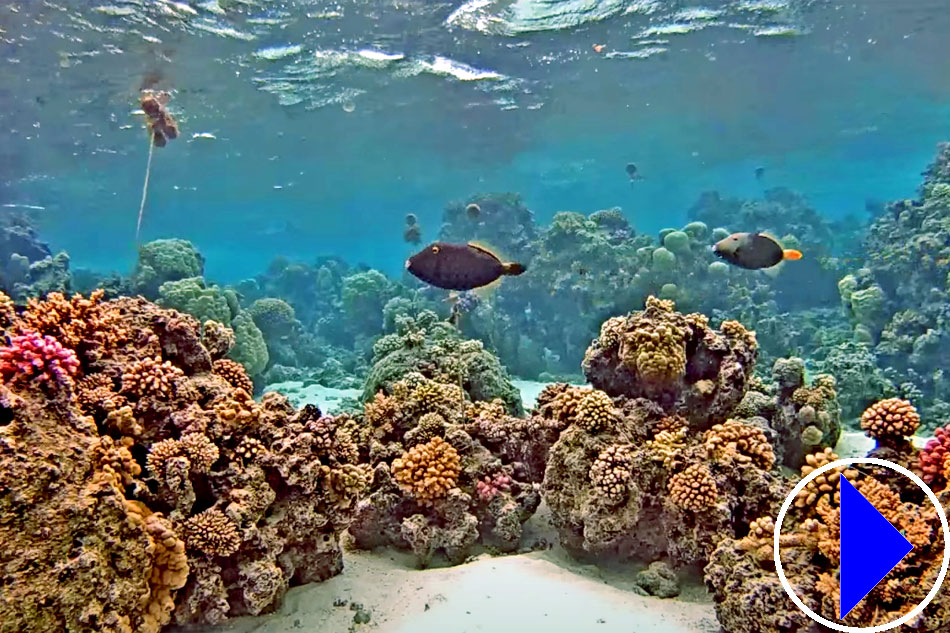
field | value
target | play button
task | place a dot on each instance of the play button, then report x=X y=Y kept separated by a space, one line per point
x=870 y=546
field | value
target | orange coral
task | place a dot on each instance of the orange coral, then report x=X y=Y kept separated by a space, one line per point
x=72 y=321
x=694 y=488
x=234 y=373
x=428 y=471
x=115 y=459
x=238 y=411
x=822 y=486
x=739 y=442
x=151 y=377
x=890 y=418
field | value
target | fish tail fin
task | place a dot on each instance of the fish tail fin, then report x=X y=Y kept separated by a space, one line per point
x=513 y=268
x=791 y=253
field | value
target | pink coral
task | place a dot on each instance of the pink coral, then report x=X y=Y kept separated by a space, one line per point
x=931 y=457
x=488 y=487
x=41 y=357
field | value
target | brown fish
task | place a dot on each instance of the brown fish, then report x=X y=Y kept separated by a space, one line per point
x=459 y=266
x=753 y=251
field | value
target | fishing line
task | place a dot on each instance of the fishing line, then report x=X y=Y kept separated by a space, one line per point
x=148 y=171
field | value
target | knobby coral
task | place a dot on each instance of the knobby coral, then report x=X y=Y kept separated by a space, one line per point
x=693 y=489
x=428 y=471
x=890 y=418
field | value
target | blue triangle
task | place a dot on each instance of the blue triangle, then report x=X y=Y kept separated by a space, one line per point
x=870 y=547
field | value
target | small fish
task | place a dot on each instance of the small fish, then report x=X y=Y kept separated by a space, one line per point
x=459 y=266
x=473 y=211
x=412 y=234
x=411 y=219
x=759 y=173
x=633 y=172
x=753 y=251
x=598 y=48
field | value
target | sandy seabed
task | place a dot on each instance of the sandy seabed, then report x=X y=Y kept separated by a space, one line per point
x=544 y=591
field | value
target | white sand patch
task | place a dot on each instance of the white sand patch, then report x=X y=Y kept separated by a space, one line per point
x=327 y=398
x=529 y=391
x=857 y=444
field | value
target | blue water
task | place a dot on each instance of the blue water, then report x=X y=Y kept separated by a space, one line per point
x=846 y=105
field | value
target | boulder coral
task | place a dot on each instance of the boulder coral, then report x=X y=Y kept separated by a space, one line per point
x=159 y=490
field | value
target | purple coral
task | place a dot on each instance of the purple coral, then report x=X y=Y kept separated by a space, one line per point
x=488 y=487
x=41 y=357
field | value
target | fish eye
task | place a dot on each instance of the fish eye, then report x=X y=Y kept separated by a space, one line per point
x=435 y=250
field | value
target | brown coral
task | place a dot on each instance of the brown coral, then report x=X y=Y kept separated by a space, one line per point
x=655 y=350
x=159 y=454
x=430 y=395
x=217 y=338
x=151 y=377
x=213 y=533
x=610 y=472
x=95 y=393
x=430 y=425
x=428 y=471
x=115 y=459
x=890 y=418
x=825 y=485
x=237 y=411
x=199 y=450
x=75 y=320
x=234 y=373
x=693 y=489
x=739 y=442
x=564 y=404
x=667 y=446
x=249 y=448
x=595 y=412
x=381 y=412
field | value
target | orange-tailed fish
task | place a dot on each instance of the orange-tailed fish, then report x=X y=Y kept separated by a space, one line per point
x=753 y=251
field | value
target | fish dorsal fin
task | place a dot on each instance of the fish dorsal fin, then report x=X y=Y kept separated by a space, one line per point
x=769 y=236
x=484 y=248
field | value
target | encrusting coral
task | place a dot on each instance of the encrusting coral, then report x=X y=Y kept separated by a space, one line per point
x=160 y=490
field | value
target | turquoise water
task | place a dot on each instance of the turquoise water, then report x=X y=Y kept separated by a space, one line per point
x=841 y=101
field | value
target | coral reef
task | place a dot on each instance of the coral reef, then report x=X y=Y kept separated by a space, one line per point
x=159 y=490
x=741 y=571
x=448 y=474
x=165 y=260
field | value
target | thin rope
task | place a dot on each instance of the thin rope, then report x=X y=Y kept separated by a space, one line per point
x=148 y=171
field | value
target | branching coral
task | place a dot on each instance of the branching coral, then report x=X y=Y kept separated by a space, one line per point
x=151 y=377
x=823 y=486
x=234 y=373
x=595 y=412
x=693 y=489
x=891 y=418
x=428 y=471
x=739 y=442
x=41 y=358
x=212 y=533
x=610 y=472
x=668 y=445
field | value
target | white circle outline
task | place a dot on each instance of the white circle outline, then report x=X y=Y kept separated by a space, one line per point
x=907 y=617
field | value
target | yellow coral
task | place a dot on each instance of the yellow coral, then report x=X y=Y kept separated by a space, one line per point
x=667 y=445
x=595 y=412
x=430 y=395
x=735 y=330
x=564 y=405
x=344 y=484
x=693 y=489
x=656 y=349
x=234 y=373
x=249 y=448
x=151 y=377
x=428 y=471
x=893 y=417
x=213 y=533
x=739 y=442
x=610 y=472
x=611 y=332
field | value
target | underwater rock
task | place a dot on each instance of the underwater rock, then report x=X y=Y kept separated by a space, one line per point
x=677 y=360
x=659 y=580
